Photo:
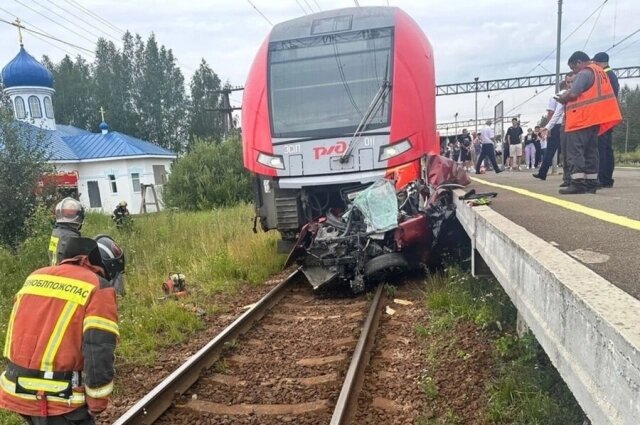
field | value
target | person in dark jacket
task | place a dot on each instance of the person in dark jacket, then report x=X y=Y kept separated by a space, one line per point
x=606 y=158
x=69 y=219
x=120 y=214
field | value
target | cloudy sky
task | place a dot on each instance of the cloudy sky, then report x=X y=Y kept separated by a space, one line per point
x=489 y=39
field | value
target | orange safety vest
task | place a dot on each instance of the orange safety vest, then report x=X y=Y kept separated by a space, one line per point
x=596 y=106
x=54 y=311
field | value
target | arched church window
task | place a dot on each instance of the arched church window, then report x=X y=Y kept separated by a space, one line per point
x=21 y=111
x=34 y=107
x=48 y=107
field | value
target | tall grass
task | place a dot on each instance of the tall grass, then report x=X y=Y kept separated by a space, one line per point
x=216 y=250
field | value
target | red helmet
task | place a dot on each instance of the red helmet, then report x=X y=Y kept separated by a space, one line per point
x=70 y=211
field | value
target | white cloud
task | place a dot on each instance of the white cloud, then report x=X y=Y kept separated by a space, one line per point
x=490 y=38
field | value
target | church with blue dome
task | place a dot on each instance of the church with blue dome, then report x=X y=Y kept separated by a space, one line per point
x=107 y=167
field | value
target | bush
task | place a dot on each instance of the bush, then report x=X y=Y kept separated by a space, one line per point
x=630 y=158
x=210 y=175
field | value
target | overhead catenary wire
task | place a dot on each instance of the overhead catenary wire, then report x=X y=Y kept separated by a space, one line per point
x=567 y=37
x=356 y=3
x=113 y=34
x=623 y=40
x=309 y=6
x=301 y=7
x=317 y=4
x=93 y=15
x=261 y=14
x=592 y=28
x=54 y=21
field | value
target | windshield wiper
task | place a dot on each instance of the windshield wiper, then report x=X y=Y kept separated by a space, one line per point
x=384 y=89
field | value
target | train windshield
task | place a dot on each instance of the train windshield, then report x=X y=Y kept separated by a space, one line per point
x=323 y=86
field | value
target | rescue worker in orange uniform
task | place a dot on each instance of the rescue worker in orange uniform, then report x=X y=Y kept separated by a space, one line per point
x=591 y=108
x=69 y=219
x=61 y=338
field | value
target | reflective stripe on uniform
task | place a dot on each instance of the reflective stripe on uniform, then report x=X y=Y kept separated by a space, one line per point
x=56 y=336
x=96 y=322
x=9 y=336
x=63 y=288
x=77 y=398
x=41 y=384
x=53 y=249
x=101 y=392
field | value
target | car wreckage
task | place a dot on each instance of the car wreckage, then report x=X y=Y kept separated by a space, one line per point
x=382 y=230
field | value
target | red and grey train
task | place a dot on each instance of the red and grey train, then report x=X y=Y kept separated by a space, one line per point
x=334 y=101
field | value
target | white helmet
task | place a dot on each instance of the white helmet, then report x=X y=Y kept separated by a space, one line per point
x=123 y=203
x=70 y=211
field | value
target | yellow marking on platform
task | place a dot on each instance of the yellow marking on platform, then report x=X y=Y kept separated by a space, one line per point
x=592 y=212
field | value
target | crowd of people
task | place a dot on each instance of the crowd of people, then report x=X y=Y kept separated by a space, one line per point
x=581 y=141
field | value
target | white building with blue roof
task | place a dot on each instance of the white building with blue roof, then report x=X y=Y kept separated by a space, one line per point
x=111 y=167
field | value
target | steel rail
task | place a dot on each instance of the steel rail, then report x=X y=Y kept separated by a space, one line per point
x=348 y=399
x=156 y=402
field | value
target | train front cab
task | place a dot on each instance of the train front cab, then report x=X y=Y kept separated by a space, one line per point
x=313 y=80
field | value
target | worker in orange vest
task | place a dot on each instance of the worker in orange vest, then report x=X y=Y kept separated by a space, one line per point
x=591 y=108
x=61 y=338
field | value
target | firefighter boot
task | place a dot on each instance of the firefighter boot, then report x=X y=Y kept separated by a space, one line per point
x=577 y=186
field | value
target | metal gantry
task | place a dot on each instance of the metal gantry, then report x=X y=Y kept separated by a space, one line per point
x=518 y=82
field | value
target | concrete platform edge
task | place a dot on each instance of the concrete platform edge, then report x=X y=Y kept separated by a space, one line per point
x=589 y=328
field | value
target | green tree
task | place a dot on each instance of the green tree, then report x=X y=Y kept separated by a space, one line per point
x=23 y=160
x=74 y=96
x=210 y=175
x=205 y=96
x=630 y=105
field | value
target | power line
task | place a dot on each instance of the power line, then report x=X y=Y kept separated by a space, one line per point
x=317 y=4
x=302 y=8
x=309 y=6
x=44 y=40
x=48 y=36
x=70 y=21
x=83 y=20
x=567 y=37
x=261 y=14
x=528 y=100
x=55 y=22
x=90 y=13
x=43 y=32
x=356 y=2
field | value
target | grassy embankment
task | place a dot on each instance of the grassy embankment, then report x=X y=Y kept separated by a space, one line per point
x=216 y=250
x=525 y=388
x=629 y=159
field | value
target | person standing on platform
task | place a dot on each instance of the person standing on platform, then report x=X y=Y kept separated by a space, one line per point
x=514 y=140
x=553 y=129
x=606 y=158
x=530 y=149
x=487 y=137
x=591 y=108
x=536 y=142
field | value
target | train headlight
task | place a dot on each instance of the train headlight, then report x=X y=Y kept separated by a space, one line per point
x=389 y=151
x=271 y=161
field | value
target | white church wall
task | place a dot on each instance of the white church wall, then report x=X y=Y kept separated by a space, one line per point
x=128 y=175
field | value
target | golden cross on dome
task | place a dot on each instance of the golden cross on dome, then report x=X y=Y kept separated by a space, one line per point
x=18 y=25
x=102 y=113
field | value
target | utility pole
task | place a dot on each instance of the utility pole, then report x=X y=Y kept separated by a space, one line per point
x=476 y=80
x=626 y=137
x=558 y=42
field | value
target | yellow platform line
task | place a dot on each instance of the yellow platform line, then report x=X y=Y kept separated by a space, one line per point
x=591 y=212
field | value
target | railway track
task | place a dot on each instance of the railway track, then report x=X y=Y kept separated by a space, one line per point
x=301 y=360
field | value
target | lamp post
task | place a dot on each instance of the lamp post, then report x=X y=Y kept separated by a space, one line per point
x=455 y=134
x=476 y=80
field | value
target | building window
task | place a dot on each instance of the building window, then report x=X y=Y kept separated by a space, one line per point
x=21 y=111
x=48 y=107
x=112 y=183
x=34 y=107
x=94 y=194
x=159 y=174
x=135 y=179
